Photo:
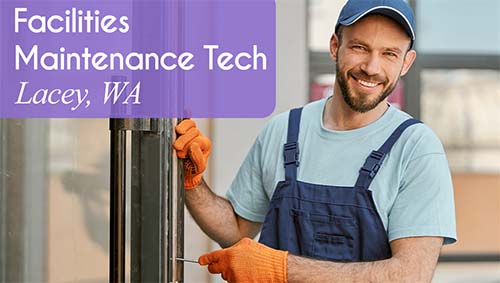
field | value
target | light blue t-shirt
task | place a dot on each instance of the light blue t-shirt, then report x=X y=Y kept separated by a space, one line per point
x=412 y=191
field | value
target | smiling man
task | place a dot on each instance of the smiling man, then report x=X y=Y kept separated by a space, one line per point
x=346 y=189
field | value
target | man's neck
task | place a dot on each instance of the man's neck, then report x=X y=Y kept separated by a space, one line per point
x=338 y=116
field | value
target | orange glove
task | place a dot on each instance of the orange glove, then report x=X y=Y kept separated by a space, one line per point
x=247 y=261
x=192 y=146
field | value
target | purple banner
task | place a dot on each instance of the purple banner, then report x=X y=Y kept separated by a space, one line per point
x=137 y=58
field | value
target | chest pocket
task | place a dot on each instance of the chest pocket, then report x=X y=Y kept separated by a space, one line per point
x=323 y=236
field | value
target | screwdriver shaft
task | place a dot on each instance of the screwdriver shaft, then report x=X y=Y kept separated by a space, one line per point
x=187 y=260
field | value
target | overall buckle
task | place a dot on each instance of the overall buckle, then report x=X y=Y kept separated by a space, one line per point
x=291 y=153
x=373 y=163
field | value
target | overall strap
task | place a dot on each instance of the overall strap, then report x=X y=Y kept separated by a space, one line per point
x=291 y=148
x=374 y=160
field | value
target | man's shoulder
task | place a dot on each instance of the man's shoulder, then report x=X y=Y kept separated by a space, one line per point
x=426 y=141
x=310 y=109
x=279 y=122
x=275 y=130
x=420 y=136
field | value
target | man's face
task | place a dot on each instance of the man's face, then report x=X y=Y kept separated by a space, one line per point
x=371 y=57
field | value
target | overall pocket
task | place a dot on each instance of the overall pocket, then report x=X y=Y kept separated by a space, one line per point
x=324 y=236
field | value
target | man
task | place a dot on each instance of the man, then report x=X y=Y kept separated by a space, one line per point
x=347 y=189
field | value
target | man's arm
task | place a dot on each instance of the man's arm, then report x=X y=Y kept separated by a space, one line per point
x=413 y=260
x=215 y=216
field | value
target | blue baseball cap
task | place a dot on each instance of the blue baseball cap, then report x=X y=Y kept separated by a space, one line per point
x=397 y=10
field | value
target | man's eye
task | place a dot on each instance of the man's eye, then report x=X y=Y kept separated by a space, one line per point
x=391 y=54
x=358 y=47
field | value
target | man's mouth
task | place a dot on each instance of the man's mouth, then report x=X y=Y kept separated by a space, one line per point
x=367 y=83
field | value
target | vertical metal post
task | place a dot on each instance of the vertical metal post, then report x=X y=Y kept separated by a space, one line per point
x=117 y=208
x=156 y=199
x=179 y=185
x=12 y=259
x=157 y=206
x=149 y=200
x=175 y=219
x=3 y=200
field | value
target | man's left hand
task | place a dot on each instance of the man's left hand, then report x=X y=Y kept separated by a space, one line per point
x=247 y=261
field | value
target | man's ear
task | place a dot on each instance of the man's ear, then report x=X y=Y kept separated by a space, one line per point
x=334 y=46
x=408 y=61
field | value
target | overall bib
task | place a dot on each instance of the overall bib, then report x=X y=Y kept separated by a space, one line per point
x=327 y=222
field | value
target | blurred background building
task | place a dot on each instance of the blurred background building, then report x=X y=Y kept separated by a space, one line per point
x=54 y=173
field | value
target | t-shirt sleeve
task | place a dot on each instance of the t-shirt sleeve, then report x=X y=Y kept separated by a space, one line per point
x=246 y=193
x=425 y=203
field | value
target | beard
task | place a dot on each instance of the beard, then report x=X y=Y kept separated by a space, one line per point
x=362 y=103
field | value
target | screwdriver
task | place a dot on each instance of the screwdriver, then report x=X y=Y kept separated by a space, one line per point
x=186 y=260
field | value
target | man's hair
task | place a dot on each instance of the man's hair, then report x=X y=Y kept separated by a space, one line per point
x=339 y=34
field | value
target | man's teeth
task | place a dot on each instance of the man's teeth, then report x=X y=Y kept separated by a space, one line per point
x=367 y=84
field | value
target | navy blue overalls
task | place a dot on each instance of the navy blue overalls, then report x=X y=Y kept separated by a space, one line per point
x=327 y=222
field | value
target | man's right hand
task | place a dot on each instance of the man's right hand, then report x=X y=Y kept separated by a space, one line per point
x=192 y=146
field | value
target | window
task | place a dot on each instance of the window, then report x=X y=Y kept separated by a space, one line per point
x=458 y=27
x=461 y=106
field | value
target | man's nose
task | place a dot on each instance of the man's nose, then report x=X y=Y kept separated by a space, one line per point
x=371 y=65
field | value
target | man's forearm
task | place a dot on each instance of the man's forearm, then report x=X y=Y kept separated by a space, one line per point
x=414 y=260
x=302 y=269
x=214 y=215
